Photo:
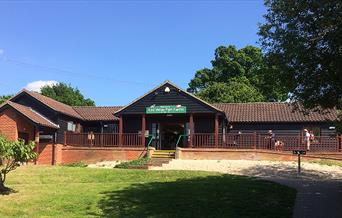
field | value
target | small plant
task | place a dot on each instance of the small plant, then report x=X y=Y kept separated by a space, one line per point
x=76 y=164
x=12 y=155
x=133 y=164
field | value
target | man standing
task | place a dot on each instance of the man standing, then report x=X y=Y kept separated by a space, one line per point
x=307 y=139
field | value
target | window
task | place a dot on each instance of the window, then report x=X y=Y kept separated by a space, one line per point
x=71 y=126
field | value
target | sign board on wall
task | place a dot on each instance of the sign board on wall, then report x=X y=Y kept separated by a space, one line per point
x=166 y=109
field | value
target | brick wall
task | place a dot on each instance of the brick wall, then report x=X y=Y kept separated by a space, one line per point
x=11 y=123
x=93 y=155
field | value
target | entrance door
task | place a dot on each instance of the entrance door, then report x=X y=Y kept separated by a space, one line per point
x=169 y=135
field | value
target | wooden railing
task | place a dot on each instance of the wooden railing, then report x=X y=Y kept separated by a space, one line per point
x=102 y=139
x=264 y=142
x=207 y=140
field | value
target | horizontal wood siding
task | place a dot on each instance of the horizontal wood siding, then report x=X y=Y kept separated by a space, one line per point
x=174 y=97
x=36 y=105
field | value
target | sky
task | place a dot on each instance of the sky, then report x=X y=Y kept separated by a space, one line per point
x=116 y=51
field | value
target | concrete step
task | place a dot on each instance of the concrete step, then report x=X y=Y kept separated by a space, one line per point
x=164 y=154
x=158 y=162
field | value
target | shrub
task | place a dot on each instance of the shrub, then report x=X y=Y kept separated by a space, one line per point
x=12 y=155
x=133 y=164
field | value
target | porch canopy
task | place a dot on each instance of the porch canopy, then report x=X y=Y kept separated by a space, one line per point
x=167 y=111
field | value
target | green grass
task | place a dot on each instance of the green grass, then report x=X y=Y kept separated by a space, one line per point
x=133 y=163
x=86 y=192
x=328 y=162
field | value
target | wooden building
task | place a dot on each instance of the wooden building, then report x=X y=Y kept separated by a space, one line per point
x=165 y=118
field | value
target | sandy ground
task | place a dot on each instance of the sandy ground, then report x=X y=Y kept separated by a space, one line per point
x=311 y=171
x=105 y=164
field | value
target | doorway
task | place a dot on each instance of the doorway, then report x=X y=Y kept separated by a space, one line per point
x=169 y=134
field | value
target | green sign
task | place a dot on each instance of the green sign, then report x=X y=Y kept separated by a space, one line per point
x=166 y=109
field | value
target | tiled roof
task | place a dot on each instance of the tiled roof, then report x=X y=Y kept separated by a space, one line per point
x=31 y=115
x=53 y=104
x=271 y=112
x=90 y=113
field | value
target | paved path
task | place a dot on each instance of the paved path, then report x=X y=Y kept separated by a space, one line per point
x=319 y=187
x=316 y=199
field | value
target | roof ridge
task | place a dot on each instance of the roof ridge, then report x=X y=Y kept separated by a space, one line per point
x=95 y=106
x=259 y=102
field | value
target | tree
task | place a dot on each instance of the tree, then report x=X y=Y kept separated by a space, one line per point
x=303 y=39
x=236 y=90
x=4 y=98
x=248 y=66
x=12 y=154
x=66 y=94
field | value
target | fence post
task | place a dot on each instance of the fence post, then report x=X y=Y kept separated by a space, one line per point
x=255 y=139
x=299 y=141
x=65 y=139
x=339 y=142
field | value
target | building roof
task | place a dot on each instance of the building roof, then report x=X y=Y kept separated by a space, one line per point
x=51 y=103
x=180 y=89
x=92 y=113
x=271 y=112
x=31 y=114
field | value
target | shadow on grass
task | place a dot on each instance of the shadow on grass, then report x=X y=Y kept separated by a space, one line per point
x=213 y=196
x=7 y=191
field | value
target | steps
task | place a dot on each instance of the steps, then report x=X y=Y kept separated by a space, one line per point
x=160 y=157
x=169 y=154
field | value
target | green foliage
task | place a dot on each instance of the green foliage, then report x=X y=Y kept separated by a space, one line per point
x=12 y=154
x=77 y=164
x=133 y=164
x=244 y=70
x=236 y=90
x=303 y=39
x=66 y=94
x=4 y=98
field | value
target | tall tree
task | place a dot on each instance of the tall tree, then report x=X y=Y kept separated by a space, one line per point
x=238 y=89
x=303 y=39
x=4 y=98
x=66 y=94
x=238 y=70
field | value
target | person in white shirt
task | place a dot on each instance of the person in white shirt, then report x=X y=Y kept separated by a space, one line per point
x=307 y=139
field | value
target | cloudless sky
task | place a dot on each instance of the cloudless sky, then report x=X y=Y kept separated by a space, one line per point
x=116 y=51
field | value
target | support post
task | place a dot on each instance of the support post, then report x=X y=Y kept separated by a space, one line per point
x=36 y=140
x=120 y=130
x=216 y=130
x=191 y=123
x=65 y=138
x=143 y=129
x=255 y=139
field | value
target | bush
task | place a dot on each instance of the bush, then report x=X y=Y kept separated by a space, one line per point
x=133 y=164
x=12 y=155
x=77 y=164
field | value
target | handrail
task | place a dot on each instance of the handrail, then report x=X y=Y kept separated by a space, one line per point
x=148 y=145
x=179 y=138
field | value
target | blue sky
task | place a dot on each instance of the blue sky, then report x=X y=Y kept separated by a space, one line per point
x=115 y=51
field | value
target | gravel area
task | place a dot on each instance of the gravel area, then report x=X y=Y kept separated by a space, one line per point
x=311 y=171
x=105 y=164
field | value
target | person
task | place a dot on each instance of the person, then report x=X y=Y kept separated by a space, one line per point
x=307 y=137
x=271 y=137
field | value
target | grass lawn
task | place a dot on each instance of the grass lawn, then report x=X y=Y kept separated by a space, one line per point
x=328 y=162
x=85 y=192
